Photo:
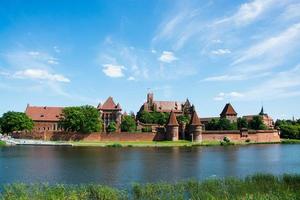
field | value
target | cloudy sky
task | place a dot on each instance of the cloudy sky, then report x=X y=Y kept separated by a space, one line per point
x=65 y=52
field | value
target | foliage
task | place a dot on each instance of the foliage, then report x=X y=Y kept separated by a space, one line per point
x=221 y=124
x=0 y=124
x=242 y=123
x=16 y=121
x=259 y=186
x=226 y=141
x=128 y=124
x=146 y=129
x=153 y=117
x=289 y=129
x=257 y=123
x=83 y=119
x=112 y=127
x=2 y=143
x=183 y=119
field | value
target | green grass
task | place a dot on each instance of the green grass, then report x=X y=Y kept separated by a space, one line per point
x=290 y=141
x=2 y=143
x=260 y=187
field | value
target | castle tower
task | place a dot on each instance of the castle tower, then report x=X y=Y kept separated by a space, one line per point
x=196 y=128
x=172 y=127
x=229 y=113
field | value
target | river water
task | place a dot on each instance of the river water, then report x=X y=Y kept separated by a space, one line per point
x=121 y=167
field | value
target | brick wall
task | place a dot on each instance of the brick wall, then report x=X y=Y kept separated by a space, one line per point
x=235 y=136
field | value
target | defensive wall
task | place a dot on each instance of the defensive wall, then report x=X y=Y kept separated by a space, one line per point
x=234 y=136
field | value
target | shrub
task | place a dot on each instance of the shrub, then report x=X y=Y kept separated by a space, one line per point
x=112 y=127
x=146 y=129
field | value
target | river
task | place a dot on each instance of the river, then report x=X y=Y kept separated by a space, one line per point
x=121 y=167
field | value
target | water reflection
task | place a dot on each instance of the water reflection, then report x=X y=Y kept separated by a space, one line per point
x=123 y=166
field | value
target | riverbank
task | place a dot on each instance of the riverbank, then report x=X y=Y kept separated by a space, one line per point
x=179 y=143
x=2 y=143
x=260 y=186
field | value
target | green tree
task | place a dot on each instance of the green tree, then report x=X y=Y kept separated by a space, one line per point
x=257 y=123
x=242 y=123
x=221 y=124
x=83 y=119
x=16 y=121
x=128 y=124
x=0 y=124
x=112 y=127
x=183 y=119
x=145 y=117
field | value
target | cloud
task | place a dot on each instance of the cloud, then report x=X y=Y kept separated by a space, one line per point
x=112 y=70
x=291 y=12
x=167 y=57
x=130 y=78
x=265 y=53
x=40 y=74
x=236 y=77
x=222 y=96
x=248 y=12
x=221 y=51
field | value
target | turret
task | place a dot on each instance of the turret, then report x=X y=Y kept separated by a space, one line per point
x=172 y=127
x=196 y=128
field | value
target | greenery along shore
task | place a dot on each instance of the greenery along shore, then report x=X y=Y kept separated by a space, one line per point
x=260 y=186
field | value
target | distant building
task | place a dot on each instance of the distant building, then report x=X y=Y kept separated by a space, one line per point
x=179 y=108
x=229 y=113
x=267 y=120
x=45 y=118
x=110 y=112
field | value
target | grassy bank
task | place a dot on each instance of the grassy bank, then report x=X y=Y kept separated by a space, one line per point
x=261 y=186
x=290 y=141
x=2 y=143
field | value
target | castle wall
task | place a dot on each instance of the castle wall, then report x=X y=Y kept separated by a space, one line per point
x=235 y=136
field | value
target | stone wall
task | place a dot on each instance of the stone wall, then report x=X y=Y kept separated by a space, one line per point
x=235 y=136
x=239 y=136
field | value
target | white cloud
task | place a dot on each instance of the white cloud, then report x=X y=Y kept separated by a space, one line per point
x=249 y=12
x=167 y=57
x=231 y=95
x=40 y=74
x=221 y=51
x=265 y=54
x=131 y=78
x=291 y=12
x=56 y=49
x=112 y=70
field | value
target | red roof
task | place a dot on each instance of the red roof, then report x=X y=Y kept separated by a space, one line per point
x=172 y=120
x=228 y=110
x=195 y=121
x=168 y=106
x=44 y=113
x=109 y=104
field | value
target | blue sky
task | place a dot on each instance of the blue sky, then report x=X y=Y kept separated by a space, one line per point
x=64 y=52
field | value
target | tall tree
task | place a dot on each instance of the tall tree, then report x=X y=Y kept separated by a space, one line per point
x=84 y=119
x=128 y=124
x=242 y=123
x=16 y=121
x=257 y=123
x=112 y=127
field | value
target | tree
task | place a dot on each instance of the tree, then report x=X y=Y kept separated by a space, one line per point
x=0 y=124
x=112 y=127
x=221 y=124
x=16 y=121
x=242 y=123
x=83 y=119
x=183 y=119
x=128 y=124
x=145 y=117
x=257 y=124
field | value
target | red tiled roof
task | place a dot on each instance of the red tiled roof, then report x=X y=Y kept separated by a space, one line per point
x=172 y=120
x=109 y=104
x=228 y=110
x=168 y=106
x=44 y=113
x=195 y=121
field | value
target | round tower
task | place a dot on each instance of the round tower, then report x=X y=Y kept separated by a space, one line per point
x=172 y=127
x=196 y=128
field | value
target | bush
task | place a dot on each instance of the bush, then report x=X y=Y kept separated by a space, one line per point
x=112 y=127
x=146 y=129
x=128 y=124
x=226 y=141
